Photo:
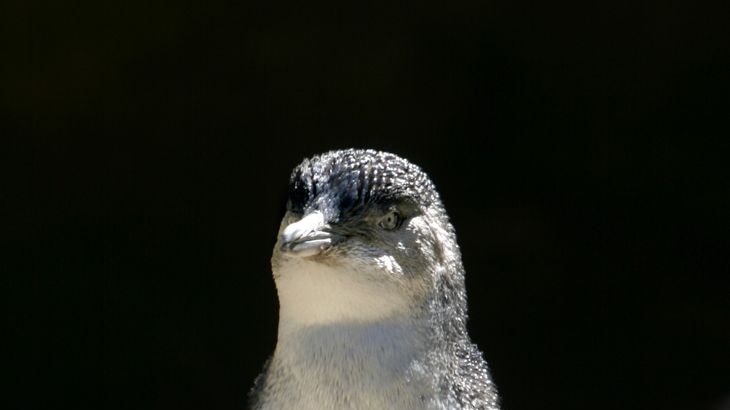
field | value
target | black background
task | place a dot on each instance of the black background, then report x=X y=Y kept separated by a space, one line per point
x=577 y=147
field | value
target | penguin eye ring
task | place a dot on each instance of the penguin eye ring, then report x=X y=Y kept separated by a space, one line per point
x=391 y=221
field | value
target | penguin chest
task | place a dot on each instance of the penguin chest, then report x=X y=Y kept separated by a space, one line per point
x=339 y=371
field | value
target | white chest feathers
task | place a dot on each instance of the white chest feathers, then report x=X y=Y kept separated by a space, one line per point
x=355 y=366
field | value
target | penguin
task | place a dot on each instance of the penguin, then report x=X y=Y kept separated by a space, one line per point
x=372 y=303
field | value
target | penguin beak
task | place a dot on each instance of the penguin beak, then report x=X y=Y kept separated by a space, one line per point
x=307 y=237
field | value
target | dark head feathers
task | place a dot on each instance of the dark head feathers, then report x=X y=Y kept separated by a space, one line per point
x=342 y=182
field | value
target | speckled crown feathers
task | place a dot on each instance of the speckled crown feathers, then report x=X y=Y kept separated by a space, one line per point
x=347 y=179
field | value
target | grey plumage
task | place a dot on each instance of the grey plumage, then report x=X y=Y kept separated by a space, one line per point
x=371 y=292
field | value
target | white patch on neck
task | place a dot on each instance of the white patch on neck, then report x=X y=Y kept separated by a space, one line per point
x=313 y=293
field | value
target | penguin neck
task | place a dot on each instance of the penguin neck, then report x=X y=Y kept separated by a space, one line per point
x=321 y=336
x=340 y=322
x=321 y=295
x=354 y=343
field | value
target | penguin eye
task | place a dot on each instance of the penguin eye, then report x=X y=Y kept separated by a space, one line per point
x=391 y=220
